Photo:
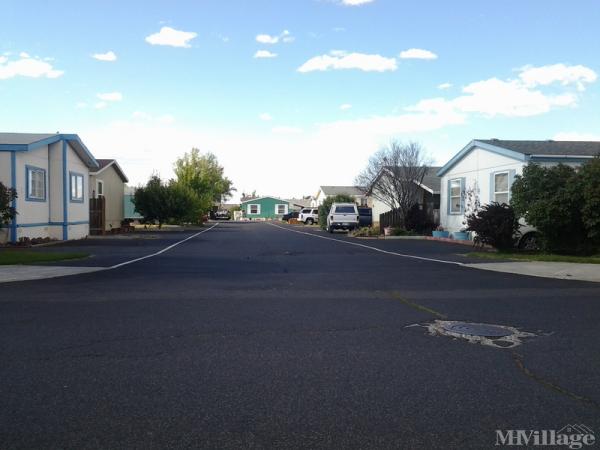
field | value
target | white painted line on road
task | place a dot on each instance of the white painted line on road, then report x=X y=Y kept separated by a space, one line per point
x=421 y=258
x=116 y=266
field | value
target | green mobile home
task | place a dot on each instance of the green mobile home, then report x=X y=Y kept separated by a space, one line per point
x=265 y=208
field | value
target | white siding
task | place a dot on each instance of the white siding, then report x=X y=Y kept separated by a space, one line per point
x=476 y=168
x=31 y=211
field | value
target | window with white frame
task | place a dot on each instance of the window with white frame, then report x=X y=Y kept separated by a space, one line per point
x=254 y=208
x=99 y=187
x=76 y=187
x=501 y=189
x=281 y=209
x=36 y=184
x=455 y=196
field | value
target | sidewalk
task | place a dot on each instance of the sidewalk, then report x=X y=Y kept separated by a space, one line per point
x=559 y=270
x=27 y=273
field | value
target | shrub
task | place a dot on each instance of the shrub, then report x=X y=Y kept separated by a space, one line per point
x=494 y=224
x=551 y=200
x=326 y=206
x=418 y=220
x=590 y=187
x=399 y=231
x=7 y=212
x=365 y=232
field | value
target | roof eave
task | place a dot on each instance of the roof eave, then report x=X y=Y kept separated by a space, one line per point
x=489 y=147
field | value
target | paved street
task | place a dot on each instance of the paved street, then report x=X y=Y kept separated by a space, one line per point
x=255 y=336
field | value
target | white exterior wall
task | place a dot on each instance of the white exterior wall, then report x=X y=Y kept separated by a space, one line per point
x=56 y=189
x=379 y=208
x=5 y=169
x=476 y=167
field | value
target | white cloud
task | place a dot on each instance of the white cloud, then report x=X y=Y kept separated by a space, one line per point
x=100 y=105
x=172 y=37
x=520 y=97
x=345 y=106
x=110 y=96
x=417 y=53
x=285 y=36
x=27 y=67
x=286 y=130
x=355 y=2
x=444 y=86
x=576 y=136
x=265 y=116
x=24 y=55
x=260 y=54
x=267 y=39
x=557 y=73
x=339 y=60
x=108 y=56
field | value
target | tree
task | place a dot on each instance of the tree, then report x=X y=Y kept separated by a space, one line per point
x=326 y=206
x=394 y=173
x=590 y=186
x=551 y=199
x=204 y=175
x=7 y=212
x=163 y=202
x=152 y=201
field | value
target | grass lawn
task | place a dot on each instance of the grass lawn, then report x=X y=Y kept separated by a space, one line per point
x=547 y=257
x=29 y=257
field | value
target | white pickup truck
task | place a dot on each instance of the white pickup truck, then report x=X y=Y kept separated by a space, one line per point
x=342 y=216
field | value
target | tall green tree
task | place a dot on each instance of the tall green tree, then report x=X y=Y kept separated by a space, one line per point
x=203 y=174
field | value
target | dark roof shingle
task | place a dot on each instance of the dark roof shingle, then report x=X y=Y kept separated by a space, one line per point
x=548 y=148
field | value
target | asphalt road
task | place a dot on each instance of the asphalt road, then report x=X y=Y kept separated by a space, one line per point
x=253 y=336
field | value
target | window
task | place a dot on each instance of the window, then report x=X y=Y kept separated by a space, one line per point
x=281 y=209
x=501 y=191
x=345 y=210
x=36 y=184
x=315 y=211
x=306 y=211
x=76 y=187
x=99 y=187
x=254 y=209
x=455 y=196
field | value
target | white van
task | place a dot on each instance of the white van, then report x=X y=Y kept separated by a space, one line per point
x=342 y=216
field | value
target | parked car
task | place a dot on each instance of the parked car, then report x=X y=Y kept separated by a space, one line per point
x=343 y=216
x=290 y=215
x=365 y=216
x=309 y=216
x=528 y=237
x=222 y=214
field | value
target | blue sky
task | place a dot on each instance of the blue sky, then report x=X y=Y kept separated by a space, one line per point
x=341 y=80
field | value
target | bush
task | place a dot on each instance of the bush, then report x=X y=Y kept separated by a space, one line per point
x=7 y=212
x=494 y=224
x=326 y=206
x=551 y=199
x=418 y=220
x=365 y=232
x=399 y=231
x=590 y=187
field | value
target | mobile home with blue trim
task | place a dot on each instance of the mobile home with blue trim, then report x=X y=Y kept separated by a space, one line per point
x=487 y=167
x=50 y=173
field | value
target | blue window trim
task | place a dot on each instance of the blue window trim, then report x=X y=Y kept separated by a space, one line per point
x=28 y=196
x=71 y=198
x=462 y=199
x=511 y=178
